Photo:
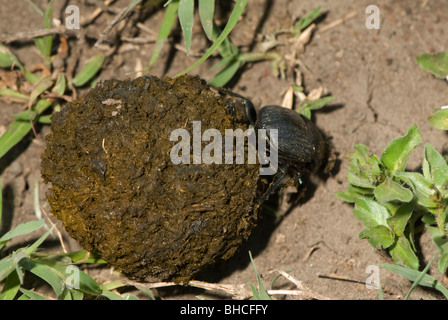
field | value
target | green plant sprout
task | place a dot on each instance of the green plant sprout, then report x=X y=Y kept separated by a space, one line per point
x=232 y=57
x=436 y=64
x=36 y=102
x=394 y=204
x=184 y=11
x=391 y=202
x=260 y=293
x=58 y=270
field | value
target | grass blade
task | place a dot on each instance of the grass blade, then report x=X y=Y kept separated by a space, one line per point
x=31 y=249
x=419 y=278
x=33 y=295
x=90 y=69
x=19 y=129
x=261 y=293
x=7 y=59
x=206 y=12
x=44 y=272
x=186 y=20
x=60 y=85
x=233 y=19
x=306 y=21
x=44 y=43
x=227 y=49
x=168 y=21
x=20 y=230
x=4 y=91
x=41 y=86
x=226 y=74
x=11 y=287
x=413 y=275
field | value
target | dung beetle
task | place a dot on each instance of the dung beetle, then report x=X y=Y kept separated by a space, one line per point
x=301 y=146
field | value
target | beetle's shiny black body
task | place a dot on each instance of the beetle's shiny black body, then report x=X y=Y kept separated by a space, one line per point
x=300 y=144
x=301 y=147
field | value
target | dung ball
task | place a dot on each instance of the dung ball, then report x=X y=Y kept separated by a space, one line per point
x=114 y=186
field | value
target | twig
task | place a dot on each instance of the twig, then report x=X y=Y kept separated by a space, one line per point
x=111 y=24
x=305 y=292
x=27 y=35
x=340 y=278
x=61 y=240
x=101 y=7
x=238 y=292
x=337 y=22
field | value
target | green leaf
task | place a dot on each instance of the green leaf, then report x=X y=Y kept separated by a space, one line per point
x=233 y=19
x=226 y=74
x=89 y=71
x=227 y=49
x=44 y=43
x=15 y=132
x=261 y=293
x=390 y=190
x=439 y=119
x=60 y=85
x=306 y=21
x=45 y=272
x=441 y=242
x=111 y=295
x=396 y=154
x=354 y=192
x=378 y=237
x=6 y=92
x=11 y=287
x=363 y=168
x=7 y=266
x=403 y=254
x=41 y=86
x=146 y=291
x=31 y=249
x=186 y=20
x=400 y=219
x=88 y=285
x=33 y=295
x=19 y=129
x=81 y=255
x=20 y=230
x=435 y=166
x=167 y=24
x=413 y=275
x=371 y=213
x=31 y=77
x=315 y=104
x=7 y=59
x=206 y=12
x=423 y=189
x=436 y=63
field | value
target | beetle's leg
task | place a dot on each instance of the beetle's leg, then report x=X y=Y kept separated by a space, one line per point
x=274 y=185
